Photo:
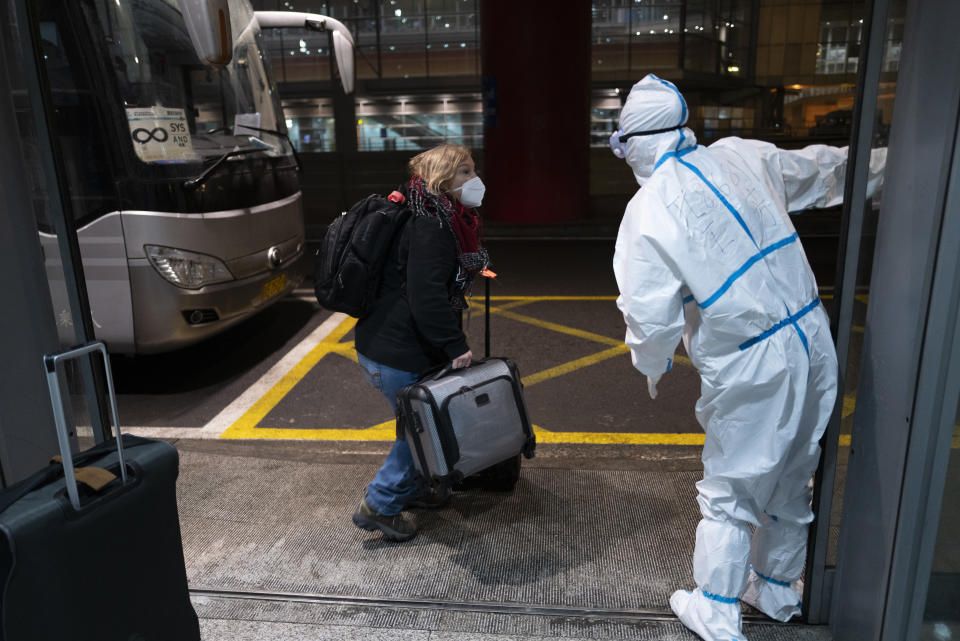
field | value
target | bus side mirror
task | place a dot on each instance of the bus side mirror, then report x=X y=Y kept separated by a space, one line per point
x=344 y=50
x=208 y=23
x=342 y=39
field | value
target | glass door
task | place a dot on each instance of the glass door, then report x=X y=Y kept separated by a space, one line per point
x=877 y=63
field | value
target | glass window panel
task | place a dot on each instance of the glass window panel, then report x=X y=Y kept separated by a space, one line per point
x=611 y=17
x=74 y=101
x=610 y=47
x=298 y=55
x=700 y=54
x=734 y=11
x=310 y=124
x=366 y=63
x=408 y=60
x=653 y=50
x=941 y=620
x=452 y=41
x=394 y=27
x=841 y=121
x=604 y=116
x=412 y=124
x=700 y=18
x=611 y=54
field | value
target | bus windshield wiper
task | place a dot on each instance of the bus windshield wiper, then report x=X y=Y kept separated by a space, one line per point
x=192 y=183
x=274 y=132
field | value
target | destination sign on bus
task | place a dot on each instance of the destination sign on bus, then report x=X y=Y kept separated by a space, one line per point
x=160 y=135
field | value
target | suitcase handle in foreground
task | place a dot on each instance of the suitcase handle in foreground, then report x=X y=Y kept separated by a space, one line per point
x=51 y=361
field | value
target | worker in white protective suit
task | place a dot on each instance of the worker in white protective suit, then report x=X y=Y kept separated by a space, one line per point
x=706 y=252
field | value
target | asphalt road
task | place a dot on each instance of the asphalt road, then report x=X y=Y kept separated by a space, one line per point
x=290 y=372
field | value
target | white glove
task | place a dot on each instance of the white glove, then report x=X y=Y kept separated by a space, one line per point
x=652 y=385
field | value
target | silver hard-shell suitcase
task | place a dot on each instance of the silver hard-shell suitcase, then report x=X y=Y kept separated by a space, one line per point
x=461 y=421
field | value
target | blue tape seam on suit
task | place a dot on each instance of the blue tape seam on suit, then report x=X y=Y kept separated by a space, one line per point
x=683 y=103
x=803 y=337
x=717 y=597
x=674 y=154
x=789 y=320
x=768 y=579
x=743 y=269
x=716 y=192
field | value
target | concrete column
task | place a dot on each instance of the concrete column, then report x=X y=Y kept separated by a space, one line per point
x=536 y=80
x=345 y=119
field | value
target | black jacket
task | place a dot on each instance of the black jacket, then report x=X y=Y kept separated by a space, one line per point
x=413 y=326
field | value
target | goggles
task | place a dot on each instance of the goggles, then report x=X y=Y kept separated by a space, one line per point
x=618 y=139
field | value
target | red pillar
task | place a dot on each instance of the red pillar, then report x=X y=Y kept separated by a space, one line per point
x=536 y=79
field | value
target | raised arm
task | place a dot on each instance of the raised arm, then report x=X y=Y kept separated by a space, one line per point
x=814 y=177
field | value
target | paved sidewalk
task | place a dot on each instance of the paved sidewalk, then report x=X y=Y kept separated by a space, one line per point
x=583 y=548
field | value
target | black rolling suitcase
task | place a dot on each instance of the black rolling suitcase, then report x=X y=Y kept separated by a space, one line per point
x=459 y=422
x=89 y=564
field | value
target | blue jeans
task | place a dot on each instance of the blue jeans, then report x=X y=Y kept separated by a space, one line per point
x=396 y=481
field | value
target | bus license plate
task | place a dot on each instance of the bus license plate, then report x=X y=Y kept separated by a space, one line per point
x=274 y=286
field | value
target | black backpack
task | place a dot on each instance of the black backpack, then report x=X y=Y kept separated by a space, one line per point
x=349 y=263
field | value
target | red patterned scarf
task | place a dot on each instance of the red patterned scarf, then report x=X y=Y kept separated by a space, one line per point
x=462 y=221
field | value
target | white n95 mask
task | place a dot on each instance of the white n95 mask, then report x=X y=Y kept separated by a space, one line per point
x=471 y=192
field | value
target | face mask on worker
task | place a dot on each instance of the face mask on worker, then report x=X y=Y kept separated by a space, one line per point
x=471 y=192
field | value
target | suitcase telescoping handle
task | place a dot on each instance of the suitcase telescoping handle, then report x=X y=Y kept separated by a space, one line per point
x=443 y=371
x=51 y=361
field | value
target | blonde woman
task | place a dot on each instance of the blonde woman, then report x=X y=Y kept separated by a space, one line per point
x=414 y=325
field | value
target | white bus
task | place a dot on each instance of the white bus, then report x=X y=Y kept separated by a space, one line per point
x=183 y=184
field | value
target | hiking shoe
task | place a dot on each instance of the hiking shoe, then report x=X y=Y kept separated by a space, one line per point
x=396 y=527
x=430 y=498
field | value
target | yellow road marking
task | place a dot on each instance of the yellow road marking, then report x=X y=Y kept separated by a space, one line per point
x=386 y=431
x=516 y=303
x=849 y=404
x=579 y=363
x=246 y=425
x=614 y=438
x=590 y=336
x=566 y=368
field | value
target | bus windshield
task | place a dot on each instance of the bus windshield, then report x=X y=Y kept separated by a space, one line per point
x=180 y=110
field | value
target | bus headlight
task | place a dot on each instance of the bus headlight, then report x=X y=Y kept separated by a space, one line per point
x=187 y=269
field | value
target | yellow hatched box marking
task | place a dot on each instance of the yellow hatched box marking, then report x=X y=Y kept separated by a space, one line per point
x=246 y=426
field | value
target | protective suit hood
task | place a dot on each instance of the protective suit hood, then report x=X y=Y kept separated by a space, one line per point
x=654 y=103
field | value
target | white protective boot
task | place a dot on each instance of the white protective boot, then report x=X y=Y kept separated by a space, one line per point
x=779 y=600
x=710 y=618
x=777 y=553
x=720 y=560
